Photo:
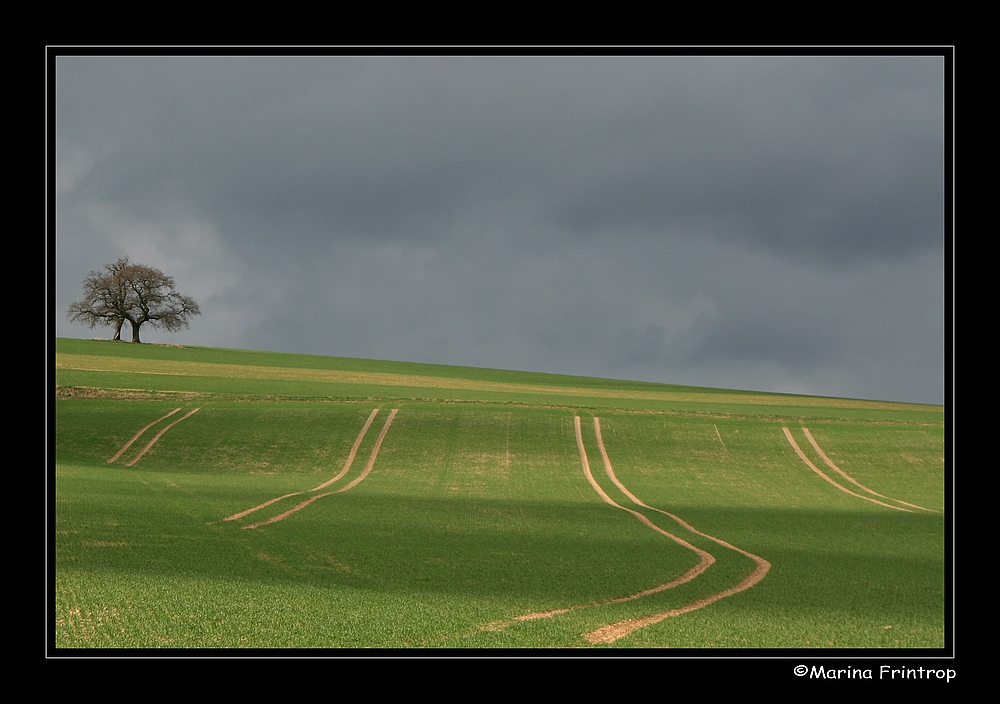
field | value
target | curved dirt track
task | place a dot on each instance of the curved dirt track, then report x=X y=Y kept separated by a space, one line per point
x=286 y=514
x=353 y=452
x=347 y=466
x=615 y=631
x=371 y=459
x=159 y=434
x=139 y=434
x=241 y=514
x=802 y=456
x=838 y=470
x=706 y=558
x=719 y=435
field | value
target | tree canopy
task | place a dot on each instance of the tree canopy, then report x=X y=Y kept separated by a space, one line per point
x=134 y=292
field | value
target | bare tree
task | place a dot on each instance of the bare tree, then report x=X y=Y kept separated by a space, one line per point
x=133 y=292
x=105 y=298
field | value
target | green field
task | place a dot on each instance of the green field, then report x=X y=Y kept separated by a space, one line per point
x=469 y=521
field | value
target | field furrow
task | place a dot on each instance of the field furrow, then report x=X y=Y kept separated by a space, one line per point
x=838 y=470
x=354 y=451
x=810 y=465
x=343 y=471
x=138 y=435
x=615 y=631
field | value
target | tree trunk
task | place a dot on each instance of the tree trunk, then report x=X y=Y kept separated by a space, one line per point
x=118 y=330
x=135 y=332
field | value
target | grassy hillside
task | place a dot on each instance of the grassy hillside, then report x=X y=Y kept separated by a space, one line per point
x=467 y=518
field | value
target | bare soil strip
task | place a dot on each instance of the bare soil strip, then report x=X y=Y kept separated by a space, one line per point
x=371 y=460
x=354 y=451
x=706 y=558
x=157 y=437
x=720 y=437
x=368 y=468
x=241 y=514
x=680 y=521
x=347 y=466
x=838 y=470
x=611 y=633
x=616 y=631
x=683 y=579
x=705 y=562
x=178 y=368
x=137 y=435
x=802 y=456
x=289 y=512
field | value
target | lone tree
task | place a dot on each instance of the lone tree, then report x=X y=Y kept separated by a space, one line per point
x=133 y=292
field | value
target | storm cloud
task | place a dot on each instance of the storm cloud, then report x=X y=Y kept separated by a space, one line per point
x=772 y=223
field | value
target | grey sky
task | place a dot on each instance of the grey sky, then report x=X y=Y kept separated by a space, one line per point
x=771 y=223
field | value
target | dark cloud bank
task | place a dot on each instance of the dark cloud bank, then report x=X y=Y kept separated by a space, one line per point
x=770 y=223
